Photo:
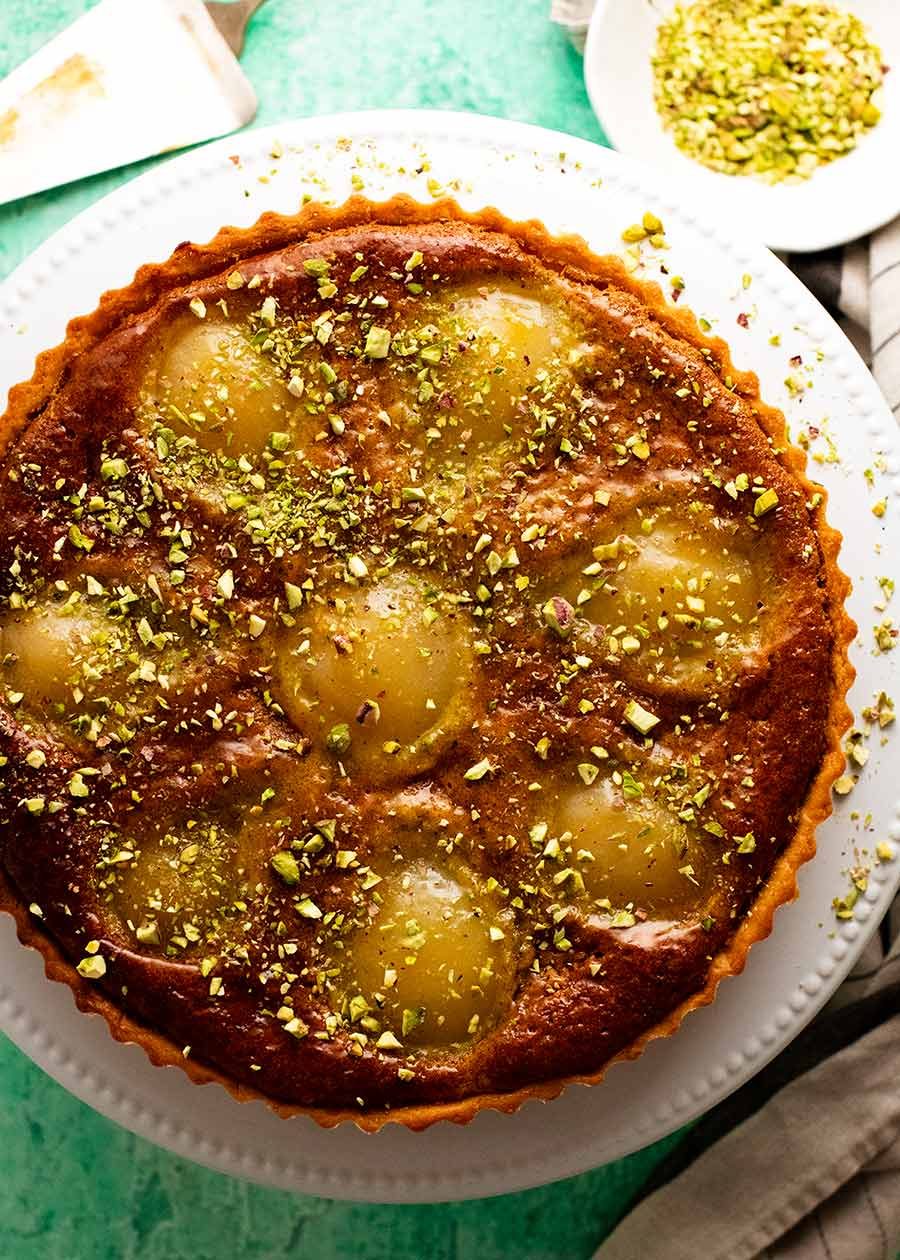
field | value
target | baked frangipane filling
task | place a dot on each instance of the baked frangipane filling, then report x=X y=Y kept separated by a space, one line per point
x=417 y=649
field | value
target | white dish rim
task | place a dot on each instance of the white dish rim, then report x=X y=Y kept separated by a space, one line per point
x=495 y=1154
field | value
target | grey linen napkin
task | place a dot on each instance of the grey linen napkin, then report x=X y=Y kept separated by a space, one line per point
x=803 y=1162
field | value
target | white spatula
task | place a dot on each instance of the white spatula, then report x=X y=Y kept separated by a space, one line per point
x=129 y=79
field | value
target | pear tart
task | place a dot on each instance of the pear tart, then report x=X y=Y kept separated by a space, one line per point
x=423 y=662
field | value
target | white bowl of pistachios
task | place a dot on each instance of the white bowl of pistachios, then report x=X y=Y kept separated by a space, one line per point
x=784 y=115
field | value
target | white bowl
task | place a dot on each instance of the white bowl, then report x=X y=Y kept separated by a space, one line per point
x=839 y=202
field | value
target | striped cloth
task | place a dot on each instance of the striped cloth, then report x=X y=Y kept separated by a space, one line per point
x=884 y=311
x=803 y=1162
x=860 y=285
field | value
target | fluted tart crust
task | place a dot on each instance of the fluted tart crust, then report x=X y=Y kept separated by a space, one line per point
x=424 y=662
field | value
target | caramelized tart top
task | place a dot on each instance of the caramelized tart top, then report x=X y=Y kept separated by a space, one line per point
x=418 y=649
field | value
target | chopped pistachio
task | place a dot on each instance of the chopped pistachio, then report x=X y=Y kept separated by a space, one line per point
x=316 y=267
x=640 y=718
x=411 y=1020
x=147 y=933
x=338 y=739
x=78 y=539
x=294 y=596
x=378 y=343
x=765 y=89
x=92 y=967
x=765 y=503
x=113 y=469
x=285 y=866
x=631 y=787
x=77 y=785
x=885 y=635
x=559 y=616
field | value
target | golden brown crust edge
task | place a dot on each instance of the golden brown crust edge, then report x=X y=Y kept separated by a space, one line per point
x=190 y=262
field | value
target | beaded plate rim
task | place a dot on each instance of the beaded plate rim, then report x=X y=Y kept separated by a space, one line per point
x=494 y=1154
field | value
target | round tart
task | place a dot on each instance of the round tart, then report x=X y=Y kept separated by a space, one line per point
x=422 y=662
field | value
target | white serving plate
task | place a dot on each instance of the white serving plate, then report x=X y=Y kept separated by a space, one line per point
x=840 y=202
x=570 y=185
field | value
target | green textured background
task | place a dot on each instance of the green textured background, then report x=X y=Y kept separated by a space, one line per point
x=73 y=1186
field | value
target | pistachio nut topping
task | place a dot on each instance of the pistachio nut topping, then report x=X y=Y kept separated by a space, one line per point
x=771 y=88
x=416 y=649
